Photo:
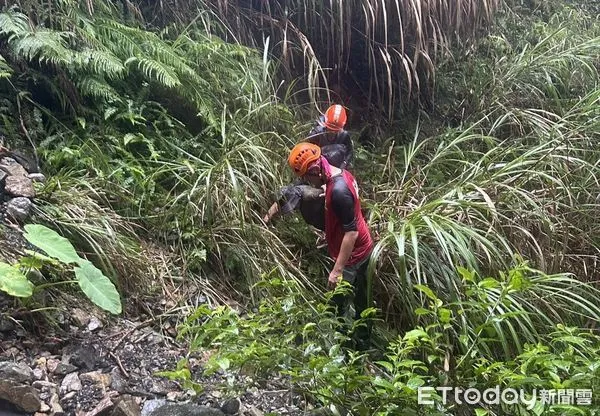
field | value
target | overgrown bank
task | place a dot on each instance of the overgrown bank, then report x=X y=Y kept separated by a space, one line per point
x=510 y=174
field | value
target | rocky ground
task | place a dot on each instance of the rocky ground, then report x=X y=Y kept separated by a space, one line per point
x=90 y=366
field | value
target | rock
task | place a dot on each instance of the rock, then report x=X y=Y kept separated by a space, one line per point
x=63 y=369
x=44 y=408
x=20 y=373
x=27 y=162
x=96 y=377
x=80 y=317
x=6 y=324
x=39 y=373
x=18 y=208
x=37 y=177
x=85 y=357
x=45 y=385
x=186 y=409
x=231 y=406
x=101 y=408
x=55 y=405
x=158 y=387
x=9 y=409
x=69 y=396
x=71 y=382
x=12 y=167
x=118 y=382
x=52 y=364
x=94 y=324
x=151 y=405
x=19 y=186
x=174 y=396
x=126 y=407
x=24 y=397
x=253 y=411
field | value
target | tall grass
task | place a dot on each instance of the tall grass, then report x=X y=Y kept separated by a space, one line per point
x=517 y=178
x=382 y=51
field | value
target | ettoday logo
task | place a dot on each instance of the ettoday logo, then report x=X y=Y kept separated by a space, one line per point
x=496 y=395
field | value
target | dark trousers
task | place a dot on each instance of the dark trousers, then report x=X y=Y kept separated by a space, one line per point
x=356 y=275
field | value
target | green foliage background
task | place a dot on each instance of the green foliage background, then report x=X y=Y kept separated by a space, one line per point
x=165 y=144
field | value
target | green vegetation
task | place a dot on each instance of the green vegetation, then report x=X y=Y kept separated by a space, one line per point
x=288 y=336
x=97 y=287
x=167 y=139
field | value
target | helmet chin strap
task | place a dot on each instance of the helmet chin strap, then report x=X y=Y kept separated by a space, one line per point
x=321 y=171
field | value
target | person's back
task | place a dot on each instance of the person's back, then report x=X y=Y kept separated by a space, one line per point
x=342 y=210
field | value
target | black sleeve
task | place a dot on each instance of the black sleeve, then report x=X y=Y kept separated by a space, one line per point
x=314 y=138
x=342 y=202
x=347 y=141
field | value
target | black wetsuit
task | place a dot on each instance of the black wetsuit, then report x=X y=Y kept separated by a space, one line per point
x=336 y=147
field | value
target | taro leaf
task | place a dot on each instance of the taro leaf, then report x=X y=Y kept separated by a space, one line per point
x=13 y=282
x=51 y=242
x=97 y=287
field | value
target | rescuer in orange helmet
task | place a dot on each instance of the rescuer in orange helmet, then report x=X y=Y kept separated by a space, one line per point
x=330 y=136
x=349 y=240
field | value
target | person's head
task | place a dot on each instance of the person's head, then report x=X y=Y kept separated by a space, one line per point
x=306 y=162
x=334 y=118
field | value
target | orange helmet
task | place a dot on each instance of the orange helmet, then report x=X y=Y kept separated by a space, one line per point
x=302 y=155
x=335 y=117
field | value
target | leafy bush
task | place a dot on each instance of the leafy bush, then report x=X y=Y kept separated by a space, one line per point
x=298 y=339
x=60 y=253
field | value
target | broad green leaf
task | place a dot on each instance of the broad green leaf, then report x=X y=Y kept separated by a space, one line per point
x=415 y=383
x=466 y=274
x=224 y=363
x=445 y=315
x=489 y=283
x=51 y=242
x=380 y=382
x=415 y=333
x=97 y=287
x=181 y=374
x=387 y=365
x=427 y=291
x=13 y=282
x=422 y=311
x=41 y=257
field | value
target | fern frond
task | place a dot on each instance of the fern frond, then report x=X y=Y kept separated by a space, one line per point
x=5 y=69
x=97 y=88
x=13 y=23
x=122 y=40
x=100 y=62
x=47 y=45
x=155 y=70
